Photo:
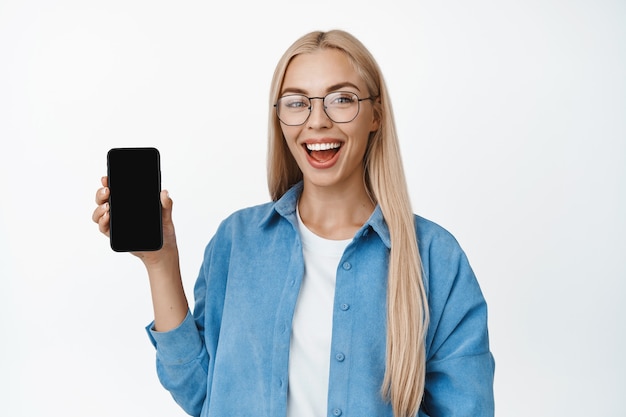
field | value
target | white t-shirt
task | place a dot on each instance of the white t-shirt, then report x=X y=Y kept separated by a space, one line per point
x=309 y=353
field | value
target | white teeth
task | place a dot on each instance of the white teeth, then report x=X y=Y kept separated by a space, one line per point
x=322 y=146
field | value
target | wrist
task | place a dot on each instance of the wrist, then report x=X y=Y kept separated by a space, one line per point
x=162 y=260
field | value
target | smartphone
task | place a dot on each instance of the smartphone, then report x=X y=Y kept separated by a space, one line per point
x=134 y=199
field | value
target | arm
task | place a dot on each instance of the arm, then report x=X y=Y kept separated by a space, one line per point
x=181 y=356
x=460 y=366
x=185 y=354
x=168 y=297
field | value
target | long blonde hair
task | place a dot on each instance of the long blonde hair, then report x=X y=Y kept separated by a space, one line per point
x=407 y=308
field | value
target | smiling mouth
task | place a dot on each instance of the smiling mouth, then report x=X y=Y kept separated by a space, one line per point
x=322 y=152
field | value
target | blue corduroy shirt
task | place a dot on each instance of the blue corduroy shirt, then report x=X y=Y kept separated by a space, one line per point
x=230 y=357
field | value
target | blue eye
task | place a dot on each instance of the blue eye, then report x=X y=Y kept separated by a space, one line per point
x=340 y=99
x=295 y=102
x=339 y=106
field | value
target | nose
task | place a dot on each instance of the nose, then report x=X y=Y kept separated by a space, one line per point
x=318 y=117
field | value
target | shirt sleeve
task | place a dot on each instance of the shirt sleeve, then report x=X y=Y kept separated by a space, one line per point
x=182 y=363
x=185 y=355
x=460 y=367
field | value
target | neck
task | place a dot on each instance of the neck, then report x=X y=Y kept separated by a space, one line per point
x=334 y=213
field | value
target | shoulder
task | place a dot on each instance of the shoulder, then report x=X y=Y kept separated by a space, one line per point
x=263 y=216
x=435 y=240
x=445 y=265
x=457 y=308
x=241 y=229
x=252 y=224
x=253 y=215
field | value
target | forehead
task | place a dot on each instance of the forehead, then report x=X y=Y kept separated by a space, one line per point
x=321 y=71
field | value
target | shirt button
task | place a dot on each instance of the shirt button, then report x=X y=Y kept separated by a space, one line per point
x=340 y=357
x=347 y=265
x=337 y=412
x=344 y=306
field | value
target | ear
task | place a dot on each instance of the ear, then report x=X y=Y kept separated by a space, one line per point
x=375 y=124
x=376 y=115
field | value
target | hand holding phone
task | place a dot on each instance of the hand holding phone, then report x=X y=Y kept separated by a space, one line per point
x=134 y=180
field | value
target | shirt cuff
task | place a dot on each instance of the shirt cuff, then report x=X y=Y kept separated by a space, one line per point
x=179 y=345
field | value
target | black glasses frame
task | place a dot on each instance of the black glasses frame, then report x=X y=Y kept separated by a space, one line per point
x=359 y=100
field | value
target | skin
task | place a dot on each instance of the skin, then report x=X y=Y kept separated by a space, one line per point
x=334 y=203
x=168 y=297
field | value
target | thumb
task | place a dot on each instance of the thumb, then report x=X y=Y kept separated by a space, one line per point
x=166 y=206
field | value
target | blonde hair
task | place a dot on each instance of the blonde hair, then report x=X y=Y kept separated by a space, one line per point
x=407 y=308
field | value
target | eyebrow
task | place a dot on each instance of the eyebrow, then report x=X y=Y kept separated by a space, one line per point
x=334 y=87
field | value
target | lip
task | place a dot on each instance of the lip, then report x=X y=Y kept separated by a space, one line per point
x=325 y=164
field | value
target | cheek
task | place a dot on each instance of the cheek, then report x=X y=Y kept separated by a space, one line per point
x=363 y=132
x=290 y=133
x=289 y=136
x=367 y=123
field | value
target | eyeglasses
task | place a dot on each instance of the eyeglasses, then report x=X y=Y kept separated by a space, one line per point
x=339 y=106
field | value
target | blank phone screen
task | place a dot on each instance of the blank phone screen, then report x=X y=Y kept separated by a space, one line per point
x=134 y=200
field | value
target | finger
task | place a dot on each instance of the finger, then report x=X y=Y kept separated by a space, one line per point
x=105 y=181
x=166 y=200
x=104 y=223
x=100 y=211
x=166 y=206
x=102 y=195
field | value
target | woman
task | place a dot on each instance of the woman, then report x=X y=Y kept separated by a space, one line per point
x=333 y=299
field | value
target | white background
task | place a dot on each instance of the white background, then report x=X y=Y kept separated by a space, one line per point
x=512 y=123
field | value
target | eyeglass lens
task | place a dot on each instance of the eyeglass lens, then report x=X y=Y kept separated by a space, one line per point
x=340 y=107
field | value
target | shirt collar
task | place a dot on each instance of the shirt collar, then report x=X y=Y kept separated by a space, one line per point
x=286 y=207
